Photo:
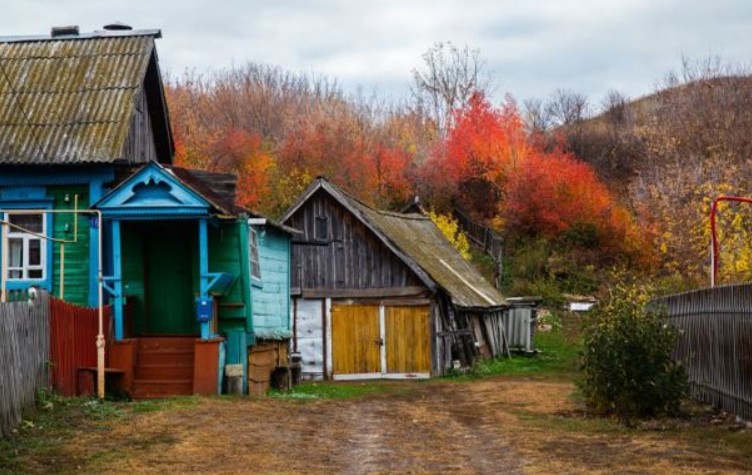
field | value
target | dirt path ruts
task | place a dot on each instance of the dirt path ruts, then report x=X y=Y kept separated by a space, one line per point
x=498 y=425
x=430 y=429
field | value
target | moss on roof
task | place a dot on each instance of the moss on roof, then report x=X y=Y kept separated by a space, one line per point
x=421 y=243
x=418 y=237
x=69 y=100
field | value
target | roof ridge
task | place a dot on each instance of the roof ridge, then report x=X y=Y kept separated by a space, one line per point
x=395 y=214
x=97 y=34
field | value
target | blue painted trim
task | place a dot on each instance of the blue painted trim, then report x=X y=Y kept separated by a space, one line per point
x=117 y=279
x=57 y=175
x=245 y=278
x=145 y=213
x=203 y=262
x=107 y=286
x=153 y=191
x=220 y=282
x=46 y=283
x=26 y=193
x=96 y=187
x=289 y=277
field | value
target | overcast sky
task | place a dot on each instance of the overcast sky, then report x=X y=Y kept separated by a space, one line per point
x=532 y=47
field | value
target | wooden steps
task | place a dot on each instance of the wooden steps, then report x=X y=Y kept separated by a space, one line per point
x=164 y=367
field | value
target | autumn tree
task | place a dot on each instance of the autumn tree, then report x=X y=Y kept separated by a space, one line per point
x=278 y=130
x=492 y=168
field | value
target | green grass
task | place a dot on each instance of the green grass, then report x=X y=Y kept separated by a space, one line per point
x=152 y=405
x=558 y=354
x=41 y=431
x=338 y=390
x=581 y=423
x=41 y=434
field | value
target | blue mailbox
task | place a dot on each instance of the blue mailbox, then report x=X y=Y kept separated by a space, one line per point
x=204 y=309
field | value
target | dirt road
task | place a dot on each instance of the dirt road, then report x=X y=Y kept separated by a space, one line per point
x=488 y=426
x=426 y=429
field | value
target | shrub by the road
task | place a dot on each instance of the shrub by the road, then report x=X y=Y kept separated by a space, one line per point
x=627 y=368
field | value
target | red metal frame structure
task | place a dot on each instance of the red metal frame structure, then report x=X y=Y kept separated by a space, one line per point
x=714 y=237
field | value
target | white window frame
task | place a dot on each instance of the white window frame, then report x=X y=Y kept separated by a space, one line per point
x=15 y=233
x=253 y=251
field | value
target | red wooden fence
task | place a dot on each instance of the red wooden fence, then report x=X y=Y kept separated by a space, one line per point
x=73 y=335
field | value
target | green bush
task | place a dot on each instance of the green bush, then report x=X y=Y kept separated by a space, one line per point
x=627 y=368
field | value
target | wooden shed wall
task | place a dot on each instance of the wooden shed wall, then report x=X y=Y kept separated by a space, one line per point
x=351 y=257
x=271 y=295
x=139 y=145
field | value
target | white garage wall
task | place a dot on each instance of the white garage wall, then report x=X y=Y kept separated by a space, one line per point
x=310 y=336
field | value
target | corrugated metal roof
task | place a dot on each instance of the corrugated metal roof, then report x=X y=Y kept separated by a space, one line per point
x=416 y=238
x=69 y=100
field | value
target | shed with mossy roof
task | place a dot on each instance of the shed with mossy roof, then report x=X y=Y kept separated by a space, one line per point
x=382 y=294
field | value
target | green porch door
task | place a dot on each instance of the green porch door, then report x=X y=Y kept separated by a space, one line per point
x=169 y=254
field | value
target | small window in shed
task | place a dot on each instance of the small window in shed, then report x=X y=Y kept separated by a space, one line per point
x=254 y=254
x=321 y=229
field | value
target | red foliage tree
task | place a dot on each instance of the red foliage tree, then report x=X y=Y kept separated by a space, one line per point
x=550 y=194
x=473 y=163
x=491 y=167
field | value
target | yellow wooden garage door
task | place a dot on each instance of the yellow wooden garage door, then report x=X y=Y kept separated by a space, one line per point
x=356 y=342
x=408 y=340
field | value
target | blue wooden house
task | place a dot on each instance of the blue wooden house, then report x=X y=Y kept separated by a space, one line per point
x=89 y=195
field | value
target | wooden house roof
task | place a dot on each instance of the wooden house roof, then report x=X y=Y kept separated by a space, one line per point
x=421 y=245
x=71 y=99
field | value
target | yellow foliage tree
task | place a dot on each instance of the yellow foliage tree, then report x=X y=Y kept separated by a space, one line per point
x=451 y=229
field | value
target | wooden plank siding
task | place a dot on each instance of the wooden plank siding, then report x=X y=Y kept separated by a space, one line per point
x=350 y=258
x=24 y=354
x=715 y=343
x=408 y=339
x=270 y=295
x=139 y=146
x=76 y=254
x=226 y=254
x=355 y=339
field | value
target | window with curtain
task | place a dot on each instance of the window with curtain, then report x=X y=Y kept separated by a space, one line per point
x=254 y=254
x=26 y=247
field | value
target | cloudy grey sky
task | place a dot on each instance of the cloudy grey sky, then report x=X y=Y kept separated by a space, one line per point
x=532 y=47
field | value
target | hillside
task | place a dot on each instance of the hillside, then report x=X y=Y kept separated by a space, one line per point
x=667 y=155
x=692 y=123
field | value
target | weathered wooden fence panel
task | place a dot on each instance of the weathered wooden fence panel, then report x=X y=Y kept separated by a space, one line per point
x=24 y=351
x=715 y=344
x=73 y=333
x=482 y=237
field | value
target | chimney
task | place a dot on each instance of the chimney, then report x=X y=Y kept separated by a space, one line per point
x=58 y=31
x=117 y=26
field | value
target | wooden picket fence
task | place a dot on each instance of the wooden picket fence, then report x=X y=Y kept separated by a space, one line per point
x=24 y=352
x=483 y=238
x=43 y=343
x=715 y=344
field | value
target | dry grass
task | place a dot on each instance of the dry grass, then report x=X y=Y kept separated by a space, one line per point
x=509 y=424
